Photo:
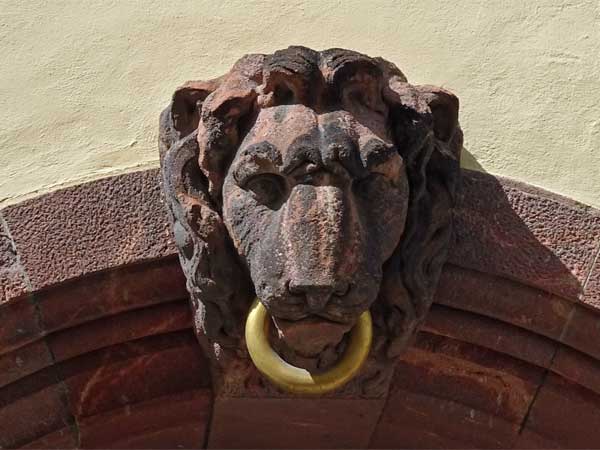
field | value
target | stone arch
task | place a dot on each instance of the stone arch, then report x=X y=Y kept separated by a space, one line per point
x=97 y=347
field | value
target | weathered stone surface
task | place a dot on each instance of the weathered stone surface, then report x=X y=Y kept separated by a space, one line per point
x=189 y=435
x=450 y=394
x=18 y=316
x=583 y=331
x=505 y=300
x=84 y=229
x=578 y=368
x=61 y=439
x=490 y=333
x=133 y=372
x=591 y=295
x=175 y=421
x=566 y=414
x=124 y=327
x=31 y=409
x=413 y=420
x=321 y=181
x=111 y=292
x=509 y=229
x=479 y=378
x=13 y=283
x=530 y=440
x=24 y=361
x=20 y=324
x=293 y=423
x=108 y=390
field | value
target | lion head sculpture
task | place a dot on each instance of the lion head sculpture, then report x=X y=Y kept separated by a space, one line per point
x=321 y=182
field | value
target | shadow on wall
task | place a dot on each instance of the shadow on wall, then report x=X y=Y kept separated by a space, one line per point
x=515 y=231
x=510 y=229
x=468 y=161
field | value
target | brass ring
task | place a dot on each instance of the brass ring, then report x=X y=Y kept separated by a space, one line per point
x=295 y=379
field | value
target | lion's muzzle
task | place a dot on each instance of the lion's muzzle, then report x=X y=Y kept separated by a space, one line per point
x=319 y=232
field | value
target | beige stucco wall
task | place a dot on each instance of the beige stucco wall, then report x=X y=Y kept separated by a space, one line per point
x=82 y=82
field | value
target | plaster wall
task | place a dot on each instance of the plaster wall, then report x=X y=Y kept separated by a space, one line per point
x=82 y=83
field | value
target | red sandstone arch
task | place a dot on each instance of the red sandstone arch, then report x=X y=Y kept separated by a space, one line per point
x=97 y=350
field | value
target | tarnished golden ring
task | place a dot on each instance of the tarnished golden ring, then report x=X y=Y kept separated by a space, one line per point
x=295 y=379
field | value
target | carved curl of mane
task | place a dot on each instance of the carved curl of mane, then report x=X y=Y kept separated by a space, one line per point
x=201 y=130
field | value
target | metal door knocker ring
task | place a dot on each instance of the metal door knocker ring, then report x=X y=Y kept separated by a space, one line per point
x=295 y=379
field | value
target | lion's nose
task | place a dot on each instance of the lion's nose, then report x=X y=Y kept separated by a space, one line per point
x=317 y=296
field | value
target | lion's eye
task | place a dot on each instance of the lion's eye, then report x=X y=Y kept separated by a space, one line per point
x=268 y=189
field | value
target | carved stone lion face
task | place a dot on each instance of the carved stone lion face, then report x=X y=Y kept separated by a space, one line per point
x=322 y=182
x=315 y=204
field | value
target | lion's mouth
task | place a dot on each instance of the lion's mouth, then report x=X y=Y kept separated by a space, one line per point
x=312 y=342
x=340 y=314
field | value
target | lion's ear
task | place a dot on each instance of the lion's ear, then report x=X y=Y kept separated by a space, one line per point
x=443 y=107
x=182 y=116
x=187 y=102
